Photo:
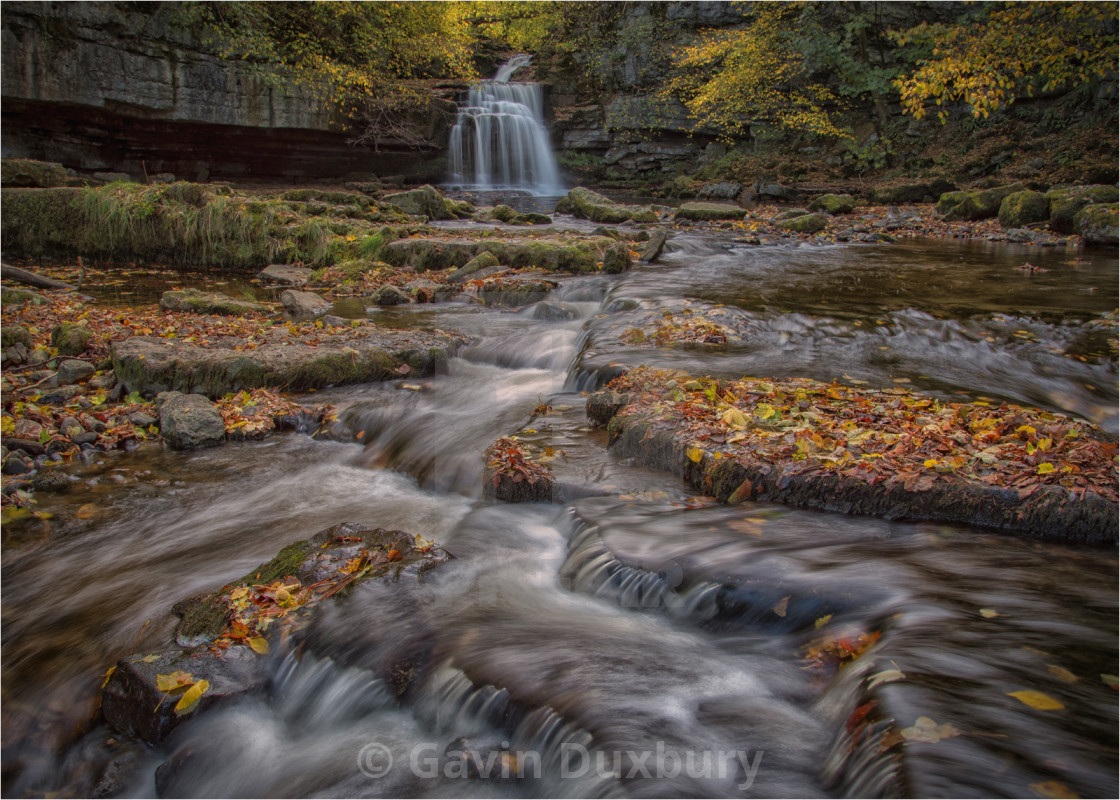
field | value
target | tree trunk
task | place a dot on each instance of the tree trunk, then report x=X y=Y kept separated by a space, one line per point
x=18 y=275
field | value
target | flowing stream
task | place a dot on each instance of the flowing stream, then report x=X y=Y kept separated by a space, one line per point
x=612 y=645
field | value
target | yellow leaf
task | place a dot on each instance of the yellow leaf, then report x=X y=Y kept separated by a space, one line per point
x=694 y=454
x=108 y=674
x=782 y=607
x=175 y=681
x=820 y=623
x=930 y=463
x=1111 y=680
x=87 y=511
x=1037 y=700
x=259 y=645
x=1053 y=789
x=925 y=729
x=988 y=613
x=734 y=419
x=189 y=700
x=1061 y=673
x=1045 y=468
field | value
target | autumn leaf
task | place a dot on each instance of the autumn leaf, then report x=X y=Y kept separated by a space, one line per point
x=989 y=613
x=782 y=607
x=1053 y=789
x=1036 y=700
x=174 y=682
x=886 y=676
x=694 y=454
x=259 y=645
x=820 y=623
x=189 y=700
x=1061 y=673
x=108 y=674
x=1111 y=680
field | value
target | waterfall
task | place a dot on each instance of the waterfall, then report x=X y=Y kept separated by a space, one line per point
x=499 y=141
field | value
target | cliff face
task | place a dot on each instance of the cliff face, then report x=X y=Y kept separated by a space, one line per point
x=119 y=86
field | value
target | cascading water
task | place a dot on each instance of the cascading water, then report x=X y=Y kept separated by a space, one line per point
x=499 y=141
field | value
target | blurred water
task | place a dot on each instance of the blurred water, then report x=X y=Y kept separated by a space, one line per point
x=623 y=631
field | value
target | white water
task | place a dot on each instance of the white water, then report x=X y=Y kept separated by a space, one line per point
x=499 y=142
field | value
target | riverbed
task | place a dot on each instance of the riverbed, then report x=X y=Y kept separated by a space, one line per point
x=606 y=645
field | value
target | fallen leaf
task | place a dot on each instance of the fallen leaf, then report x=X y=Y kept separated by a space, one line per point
x=87 y=511
x=782 y=607
x=259 y=645
x=694 y=454
x=108 y=674
x=1111 y=680
x=189 y=700
x=1053 y=789
x=1037 y=700
x=988 y=613
x=820 y=623
x=175 y=681
x=926 y=730
x=1061 y=673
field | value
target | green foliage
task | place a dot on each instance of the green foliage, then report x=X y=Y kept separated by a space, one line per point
x=1007 y=50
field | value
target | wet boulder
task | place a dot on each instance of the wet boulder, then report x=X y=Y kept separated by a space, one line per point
x=73 y=371
x=303 y=304
x=554 y=312
x=1097 y=224
x=199 y=302
x=617 y=259
x=724 y=190
x=700 y=212
x=513 y=292
x=222 y=637
x=514 y=476
x=187 y=421
x=389 y=295
x=584 y=203
x=654 y=247
x=1020 y=209
x=11 y=335
x=834 y=204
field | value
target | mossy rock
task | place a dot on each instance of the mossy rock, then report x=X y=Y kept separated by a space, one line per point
x=71 y=339
x=584 y=203
x=13 y=296
x=503 y=213
x=484 y=260
x=1098 y=224
x=514 y=293
x=576 y=255
x=328 y=198
x=199 y=302
x=975 y=204
x=425 y=201
x=14 y=334
x=1066 y=203
x=834 y=204
x=700 y=211
x=791 y=213
x=808 y=223
x=150 y=365
x=22 y=172
x=1020 y=209
x=617 y=259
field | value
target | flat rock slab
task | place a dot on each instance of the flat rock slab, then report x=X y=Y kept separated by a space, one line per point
x=223 y=637
x=577 y=255
x=368 y=353
x=709 y=211
x=890 y=453
x=288 y=274
x=200 y=302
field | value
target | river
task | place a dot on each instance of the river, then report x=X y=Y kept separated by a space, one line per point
x=613 y=645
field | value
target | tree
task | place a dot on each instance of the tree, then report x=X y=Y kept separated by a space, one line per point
x=1007 y=50
x=762 y=72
